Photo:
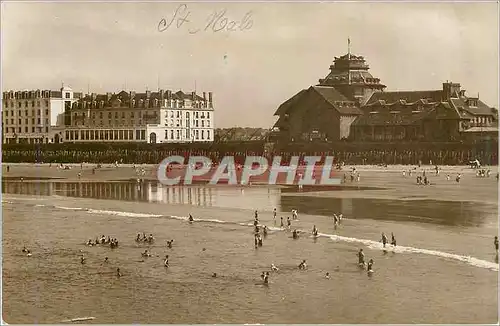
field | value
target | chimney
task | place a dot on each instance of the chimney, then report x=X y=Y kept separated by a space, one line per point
x=148 y=94
x=162 y=95
x=210 y=97
x=205 y=96
x=169 y=95
x=450 y=90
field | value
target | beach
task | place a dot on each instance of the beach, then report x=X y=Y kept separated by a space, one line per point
x=443 y=270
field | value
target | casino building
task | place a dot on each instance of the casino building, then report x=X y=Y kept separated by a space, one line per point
x=351 y=104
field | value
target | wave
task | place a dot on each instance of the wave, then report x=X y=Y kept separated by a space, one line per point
x=375 y=245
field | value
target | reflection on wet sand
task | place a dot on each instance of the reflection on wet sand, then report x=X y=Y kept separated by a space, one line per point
x=422 y=211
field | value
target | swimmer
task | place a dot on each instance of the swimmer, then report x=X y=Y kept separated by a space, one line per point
x=265 y=230
x=370 y=266
x=259 y=240
x=303 y=265
x=25 y=250
x=384 y=239
x=295 y=234
x=29 y=253
x=315 y=231
x=118 y=272
x=256 y=241
x=82 y=260
x=327 y=276
x=393 y=240
x=361 y=258
x=274 y=268
x=263 y=275
x=256 y=215
x=214 y=275
x=169 y=243
x=165 y=262
x=266 y=278
x=495 y=242
x=106 y=260
x=191 y=219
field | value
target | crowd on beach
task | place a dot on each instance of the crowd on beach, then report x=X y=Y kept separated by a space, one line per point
x=140 y=156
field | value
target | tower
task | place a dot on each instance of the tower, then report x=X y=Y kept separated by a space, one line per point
x=349 y=75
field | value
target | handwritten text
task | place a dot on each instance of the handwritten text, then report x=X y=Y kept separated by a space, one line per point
x=215 y=22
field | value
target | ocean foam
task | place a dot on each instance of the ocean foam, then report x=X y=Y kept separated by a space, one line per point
x=368 y=243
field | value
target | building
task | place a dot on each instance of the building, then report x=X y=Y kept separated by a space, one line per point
x=349 y=103
x=447 y=114
x=327 y=110
x=31 y=116
x=153 y=117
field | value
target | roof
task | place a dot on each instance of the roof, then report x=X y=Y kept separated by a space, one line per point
x=333 y=97
x=341 y=103
x=480 y=109
x=482 y=129
x=408 y=96
x=126 y=97
x=285 y=106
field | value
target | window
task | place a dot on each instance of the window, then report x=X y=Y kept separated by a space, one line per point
x=208 y=115
x=46 y=129
x=178 y=134
x=208 y=134
x=32 y=129
x=38 y=121
x=37 y=103
x=197 y=135
x=137 y=134
x=208 y=123
x=46 y=121
x=100 y=115
x=46 y=111
x=202 y=123
x=131 y=134
x=203 y=134
x=46 y=103
x=171 y=134
x=26 y=104
x=67 y=95
x=32 y=104
x=166 y=134
x=32 y=121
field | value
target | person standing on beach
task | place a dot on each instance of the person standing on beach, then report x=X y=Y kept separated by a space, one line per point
x=384 y=239
x=282 y=225
x=274 y=213
x=496 y=244
x=393 y=240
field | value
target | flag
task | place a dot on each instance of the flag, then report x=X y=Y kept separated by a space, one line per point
x=349 y=41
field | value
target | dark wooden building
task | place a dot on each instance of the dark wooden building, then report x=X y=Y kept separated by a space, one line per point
x=326 y=111
x=437 y=115
x=351 y=104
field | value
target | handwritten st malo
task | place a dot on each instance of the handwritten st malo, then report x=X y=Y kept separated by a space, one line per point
x=215 y=22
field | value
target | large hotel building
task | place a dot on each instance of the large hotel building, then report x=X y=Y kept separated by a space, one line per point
x=67 y=116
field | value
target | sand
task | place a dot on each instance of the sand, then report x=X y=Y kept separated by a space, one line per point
x=390 y=178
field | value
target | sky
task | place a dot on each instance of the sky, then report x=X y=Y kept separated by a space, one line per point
x=266 y=53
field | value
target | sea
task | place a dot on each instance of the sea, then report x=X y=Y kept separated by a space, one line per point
x=444 y=268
